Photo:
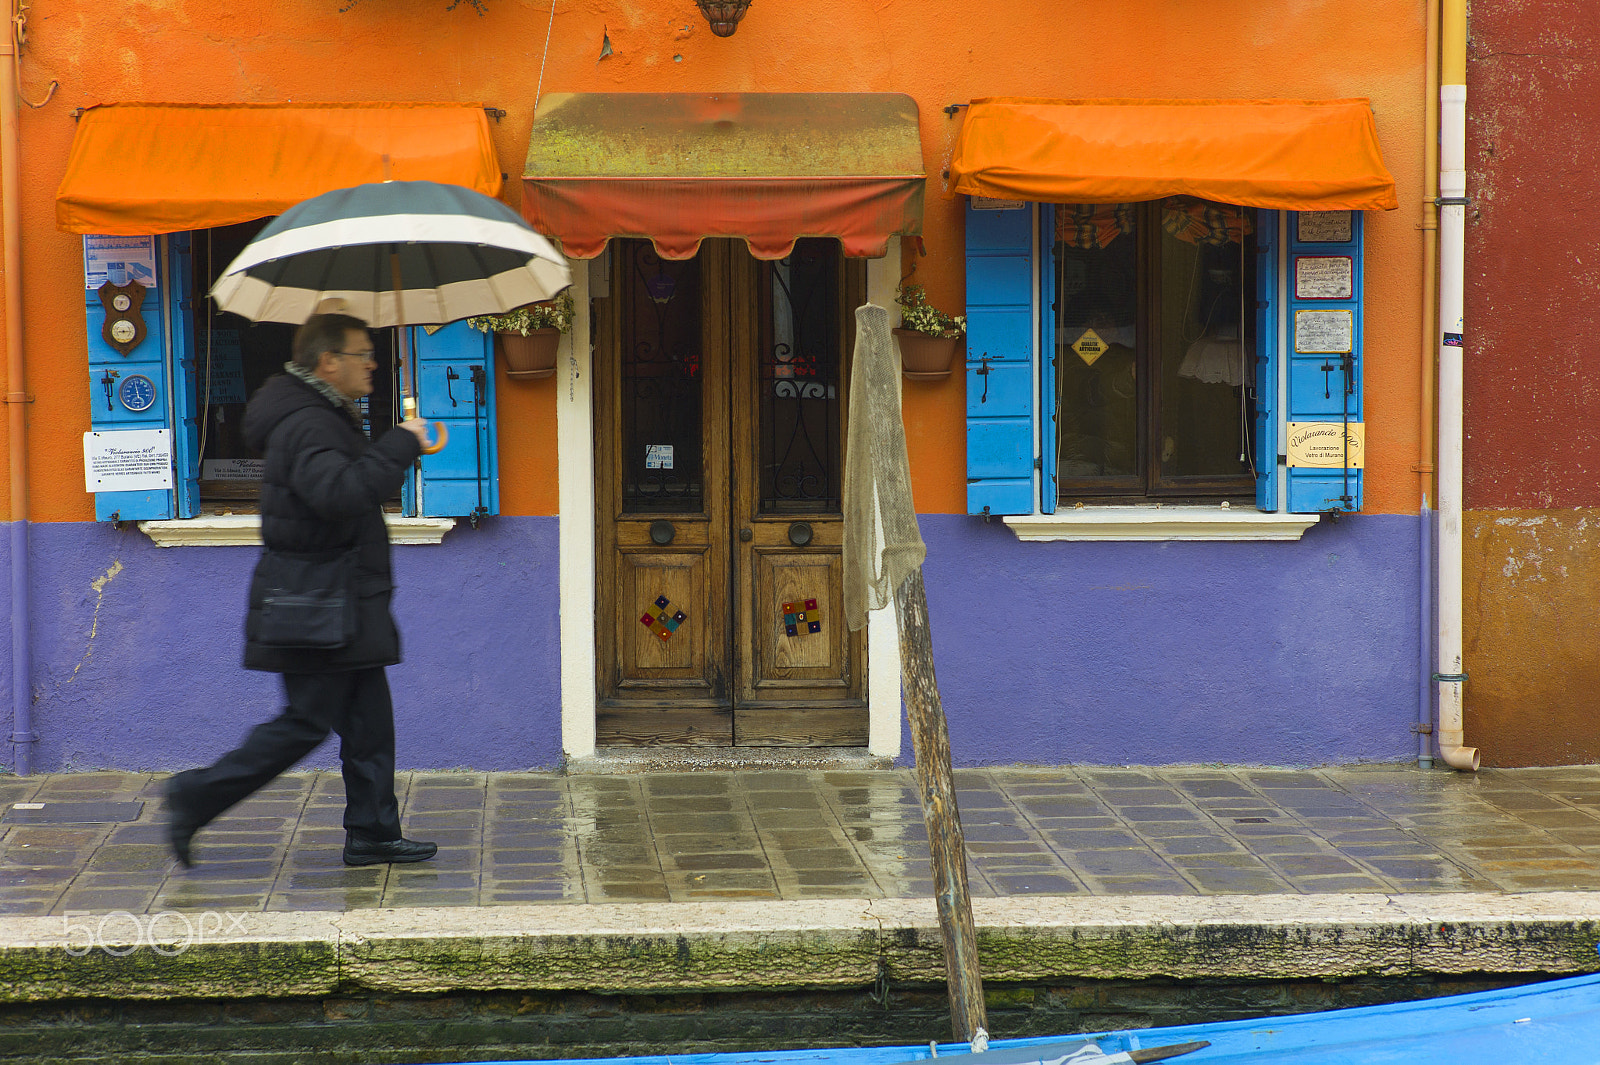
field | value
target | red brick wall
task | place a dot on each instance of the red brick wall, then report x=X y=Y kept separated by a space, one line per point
x=1533 y=255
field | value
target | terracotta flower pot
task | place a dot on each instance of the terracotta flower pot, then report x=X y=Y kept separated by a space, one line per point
x=528 y=358
x=923 y=357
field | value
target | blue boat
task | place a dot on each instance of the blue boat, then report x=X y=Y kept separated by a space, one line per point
x=1555 y=1022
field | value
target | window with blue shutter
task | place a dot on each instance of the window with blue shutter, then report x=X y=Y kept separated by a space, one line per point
x=1000 y=373
x=1210 y=351
x=455 y=385
x=1322 y=312
x=195 y=369
x=129 y=389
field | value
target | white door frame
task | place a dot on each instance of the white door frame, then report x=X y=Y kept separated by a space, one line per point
x=576 y=499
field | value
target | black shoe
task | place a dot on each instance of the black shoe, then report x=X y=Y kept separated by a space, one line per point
x=180 y=829
x=359 y=851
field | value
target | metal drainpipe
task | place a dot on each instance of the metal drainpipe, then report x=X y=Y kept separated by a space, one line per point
x=1425 y=414
x=22 y=734
x=1451 y=676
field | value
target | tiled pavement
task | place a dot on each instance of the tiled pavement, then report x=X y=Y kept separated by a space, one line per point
x=806 y=834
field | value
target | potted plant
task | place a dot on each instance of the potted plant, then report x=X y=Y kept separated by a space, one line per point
x=928 y=337
x=526 y=338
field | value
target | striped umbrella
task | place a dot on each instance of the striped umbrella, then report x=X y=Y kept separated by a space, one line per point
x=396 y=253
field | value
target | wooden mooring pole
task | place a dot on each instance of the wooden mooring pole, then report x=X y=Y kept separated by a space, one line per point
x=930 y=742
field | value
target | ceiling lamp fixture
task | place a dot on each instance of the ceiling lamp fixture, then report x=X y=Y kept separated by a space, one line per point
x=724 y=15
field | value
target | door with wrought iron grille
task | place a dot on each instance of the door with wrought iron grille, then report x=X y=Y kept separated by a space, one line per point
x=720 y=436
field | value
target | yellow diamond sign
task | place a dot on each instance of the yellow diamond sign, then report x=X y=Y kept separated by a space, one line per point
x=1089 y=346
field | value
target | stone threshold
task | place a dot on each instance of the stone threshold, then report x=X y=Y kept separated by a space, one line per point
x=751 y=945
x=619 y=760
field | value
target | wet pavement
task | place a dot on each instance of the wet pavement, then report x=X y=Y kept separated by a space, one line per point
x=529 y=838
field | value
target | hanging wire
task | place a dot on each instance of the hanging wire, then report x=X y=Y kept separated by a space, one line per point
x=19 y=36
x=540 y=88
x=1192 y=300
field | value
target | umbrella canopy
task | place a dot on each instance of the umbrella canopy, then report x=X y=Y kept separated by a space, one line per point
x=460 y=253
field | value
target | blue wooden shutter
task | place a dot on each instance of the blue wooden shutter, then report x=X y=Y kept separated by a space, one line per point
x=109 y=369
x=999 y=361
x=1267 y=244
x=455 y=385
x=185 y=385
x=1324 y=386
x=1047 y=358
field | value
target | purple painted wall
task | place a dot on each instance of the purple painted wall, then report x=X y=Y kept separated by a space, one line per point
x=1288 y=653
x=142 y=672
x=1097 y=653
x=7 y=760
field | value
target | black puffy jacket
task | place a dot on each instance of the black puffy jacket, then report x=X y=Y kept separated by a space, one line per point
x=323 y=490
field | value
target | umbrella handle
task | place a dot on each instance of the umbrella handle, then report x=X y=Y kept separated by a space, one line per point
x=409 y=404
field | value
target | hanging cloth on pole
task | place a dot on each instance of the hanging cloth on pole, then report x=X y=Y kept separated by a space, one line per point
x=882 y=544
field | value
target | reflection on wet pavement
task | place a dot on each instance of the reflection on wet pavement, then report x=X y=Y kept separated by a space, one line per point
x=518 y=838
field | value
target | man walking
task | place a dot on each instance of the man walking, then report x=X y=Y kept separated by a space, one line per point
x=325 y=544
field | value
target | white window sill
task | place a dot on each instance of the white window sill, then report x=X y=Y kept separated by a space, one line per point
x=1160 y=523
x=244 y=530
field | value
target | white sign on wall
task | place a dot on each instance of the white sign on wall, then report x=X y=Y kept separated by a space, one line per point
x=118 y=260
x=1324 y=226
x=1324 y=277
x=1316 y=332
x=127 y=460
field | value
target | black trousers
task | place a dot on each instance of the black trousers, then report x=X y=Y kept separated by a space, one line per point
x=356 y=705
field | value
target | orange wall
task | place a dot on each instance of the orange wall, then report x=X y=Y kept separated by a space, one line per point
x=938 y=51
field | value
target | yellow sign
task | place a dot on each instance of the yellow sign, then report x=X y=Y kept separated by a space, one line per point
x=1318 y=445
x=1089 y=346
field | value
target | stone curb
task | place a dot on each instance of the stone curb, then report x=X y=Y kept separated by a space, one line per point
x=772 y=946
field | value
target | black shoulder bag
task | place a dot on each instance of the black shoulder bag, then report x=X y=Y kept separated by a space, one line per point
x=307 y=600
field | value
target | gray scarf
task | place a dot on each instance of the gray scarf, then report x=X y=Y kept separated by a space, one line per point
x=329 y=393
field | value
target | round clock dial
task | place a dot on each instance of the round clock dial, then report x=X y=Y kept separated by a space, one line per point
x=138 y=393
x=121 y=301
x=123 y=331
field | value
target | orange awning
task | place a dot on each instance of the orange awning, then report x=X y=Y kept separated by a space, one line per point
x=1297 y=155
x=765 y=167
x=161 y=168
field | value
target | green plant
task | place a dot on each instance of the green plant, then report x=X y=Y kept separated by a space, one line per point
x=918 y=314
x=553 y=314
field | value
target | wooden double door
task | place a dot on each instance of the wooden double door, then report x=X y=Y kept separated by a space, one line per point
x=720 y=408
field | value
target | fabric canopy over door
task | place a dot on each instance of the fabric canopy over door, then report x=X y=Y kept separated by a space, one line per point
x=1295 y=155
x=764 y=167
x=139 y=169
